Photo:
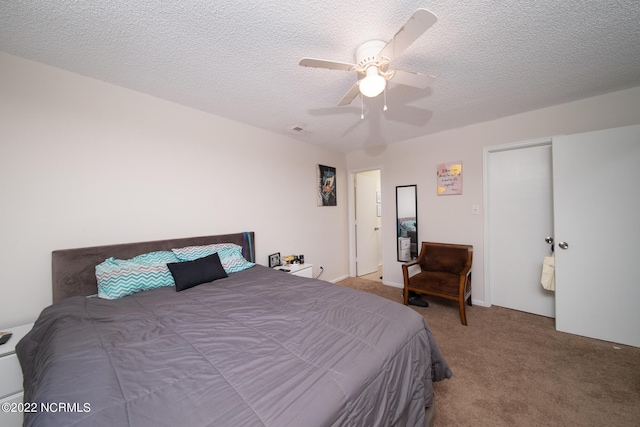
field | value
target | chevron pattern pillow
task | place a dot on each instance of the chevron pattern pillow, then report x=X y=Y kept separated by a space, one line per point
x=118 y=278
x=233 y=261
x=191 y=253
x=230 y=255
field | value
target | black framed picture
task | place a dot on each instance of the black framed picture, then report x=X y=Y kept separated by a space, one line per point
x=326 y=186
x=274 y=260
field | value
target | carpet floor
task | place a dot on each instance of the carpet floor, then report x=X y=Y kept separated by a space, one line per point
x=512 y=368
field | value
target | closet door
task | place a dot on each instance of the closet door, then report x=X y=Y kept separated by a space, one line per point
x=520 y=216
x=596 y=176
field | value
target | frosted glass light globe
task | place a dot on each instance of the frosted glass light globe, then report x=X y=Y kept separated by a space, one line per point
x=373 y=84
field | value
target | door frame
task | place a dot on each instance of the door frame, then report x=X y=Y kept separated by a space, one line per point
x=351 y=208
x=487 y=151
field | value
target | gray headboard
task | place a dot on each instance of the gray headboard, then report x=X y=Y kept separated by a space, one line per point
x=73 y=270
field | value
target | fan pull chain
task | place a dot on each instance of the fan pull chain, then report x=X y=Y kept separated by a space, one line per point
x=362 y=105
x=385 y=99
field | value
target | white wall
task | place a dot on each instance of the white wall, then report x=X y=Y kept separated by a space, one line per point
x=449 y=218
x=85 y=163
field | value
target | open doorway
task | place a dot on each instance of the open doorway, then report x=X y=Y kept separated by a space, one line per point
x=368 y=225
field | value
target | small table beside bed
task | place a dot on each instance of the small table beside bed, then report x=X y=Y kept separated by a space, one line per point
x=255 y=347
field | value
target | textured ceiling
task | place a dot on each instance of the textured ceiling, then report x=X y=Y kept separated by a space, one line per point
x=239 y=59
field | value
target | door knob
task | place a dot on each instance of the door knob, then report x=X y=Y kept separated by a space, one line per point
x=549 y=240
x=563 y=245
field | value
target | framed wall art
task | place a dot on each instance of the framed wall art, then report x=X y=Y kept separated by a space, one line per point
x=326 y=186
x=449 y=177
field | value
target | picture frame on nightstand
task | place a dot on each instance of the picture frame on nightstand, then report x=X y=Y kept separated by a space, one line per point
x=274 y=260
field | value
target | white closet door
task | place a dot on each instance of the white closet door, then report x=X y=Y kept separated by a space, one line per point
x=520 y=217
x=596 y=178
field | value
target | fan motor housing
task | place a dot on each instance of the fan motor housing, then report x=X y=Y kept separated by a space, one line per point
x=368 y=52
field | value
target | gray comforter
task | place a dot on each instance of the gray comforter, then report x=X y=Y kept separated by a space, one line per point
x=259 y=348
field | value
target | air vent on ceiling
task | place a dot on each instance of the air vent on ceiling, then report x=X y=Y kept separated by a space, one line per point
x=299 y=130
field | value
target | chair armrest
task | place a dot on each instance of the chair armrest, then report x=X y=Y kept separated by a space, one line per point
x=466 y=270
x=405 y=271
x=410 y=263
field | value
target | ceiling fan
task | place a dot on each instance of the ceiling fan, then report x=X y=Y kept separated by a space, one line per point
x=373 y=58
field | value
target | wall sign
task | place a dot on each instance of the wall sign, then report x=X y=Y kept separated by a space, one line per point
x=449 y=178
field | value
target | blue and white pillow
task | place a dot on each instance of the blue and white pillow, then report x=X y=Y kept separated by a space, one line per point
x=191 y=253
x=233 y=261
x=230 y=255
x=118 y=278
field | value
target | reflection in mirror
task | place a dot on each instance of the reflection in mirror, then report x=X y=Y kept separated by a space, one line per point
x=407 y=222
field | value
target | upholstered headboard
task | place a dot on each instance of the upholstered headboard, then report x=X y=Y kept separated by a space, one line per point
x=73 y=270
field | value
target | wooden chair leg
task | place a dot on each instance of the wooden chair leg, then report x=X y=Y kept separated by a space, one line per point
x=406 y=296
x=463 y=314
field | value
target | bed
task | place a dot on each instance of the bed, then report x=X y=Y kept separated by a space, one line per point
x=258 y=348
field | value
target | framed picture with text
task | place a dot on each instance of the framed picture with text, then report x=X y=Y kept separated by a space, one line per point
x=449 y=178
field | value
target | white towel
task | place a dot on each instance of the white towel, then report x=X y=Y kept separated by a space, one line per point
x=548 y=279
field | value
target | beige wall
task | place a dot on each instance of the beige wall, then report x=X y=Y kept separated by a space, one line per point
x=86 y=163
x=449 y=218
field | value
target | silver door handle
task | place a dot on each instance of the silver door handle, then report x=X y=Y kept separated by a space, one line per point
x=549 y=240
x=563 y=245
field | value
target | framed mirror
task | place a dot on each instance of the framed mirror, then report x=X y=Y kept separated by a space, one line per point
x=407 y=222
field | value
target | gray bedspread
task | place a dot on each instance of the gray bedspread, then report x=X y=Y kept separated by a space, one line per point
x=259 y=348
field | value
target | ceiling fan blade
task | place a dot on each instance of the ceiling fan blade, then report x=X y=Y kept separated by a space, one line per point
x=419 y=22
x=409 y=78
x=350 y=95
x=323 y=63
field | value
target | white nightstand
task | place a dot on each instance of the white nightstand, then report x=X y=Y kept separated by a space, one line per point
x=302 y=270
x=404 y=248
x=11 y=376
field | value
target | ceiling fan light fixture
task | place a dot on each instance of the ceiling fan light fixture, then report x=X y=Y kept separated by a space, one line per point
x=373 y=84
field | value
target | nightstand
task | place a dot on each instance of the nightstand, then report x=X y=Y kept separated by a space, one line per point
x=404 y=248
x=302 y=270
x=11 y=376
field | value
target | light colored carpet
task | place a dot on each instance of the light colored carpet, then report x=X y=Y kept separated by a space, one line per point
x=514 y=369
x=375 y=276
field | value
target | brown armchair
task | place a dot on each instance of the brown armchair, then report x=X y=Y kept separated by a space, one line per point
x=445 y=271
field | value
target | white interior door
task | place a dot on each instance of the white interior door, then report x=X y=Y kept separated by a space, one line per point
x=596 y=208
x=366 y=223
x=520 y=215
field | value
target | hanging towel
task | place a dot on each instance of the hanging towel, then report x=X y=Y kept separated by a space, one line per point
x=548 y=279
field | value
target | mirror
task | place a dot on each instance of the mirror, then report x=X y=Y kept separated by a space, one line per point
x=407 y=222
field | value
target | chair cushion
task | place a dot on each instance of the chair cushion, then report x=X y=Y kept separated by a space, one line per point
x=436 y=281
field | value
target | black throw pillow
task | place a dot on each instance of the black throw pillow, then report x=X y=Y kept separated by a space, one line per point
x=188 y=274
